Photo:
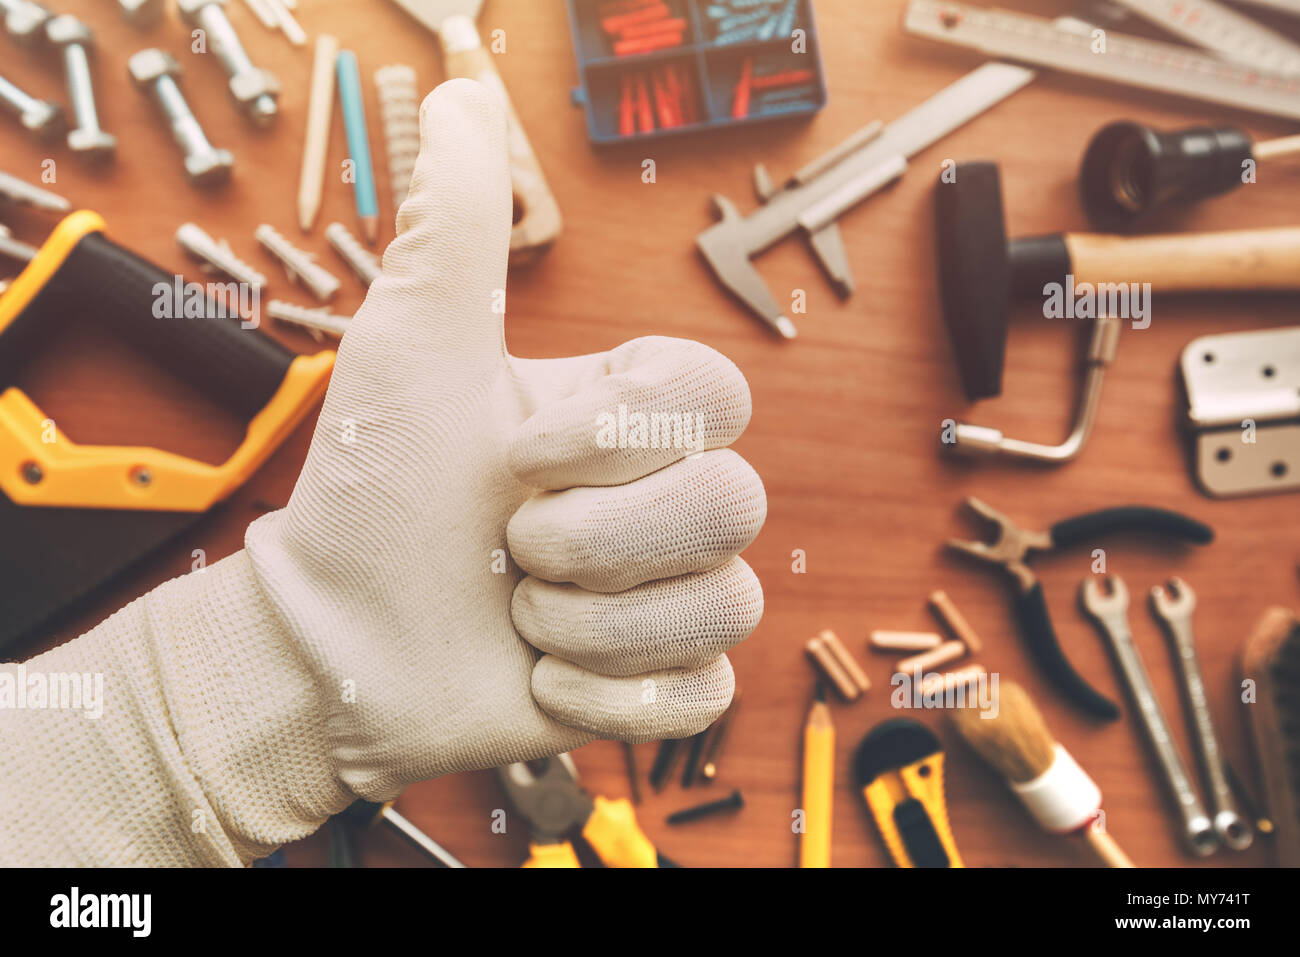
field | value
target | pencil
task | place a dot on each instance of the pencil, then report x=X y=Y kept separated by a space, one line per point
x=320 y=107
x=354 y=119
x=818 y=783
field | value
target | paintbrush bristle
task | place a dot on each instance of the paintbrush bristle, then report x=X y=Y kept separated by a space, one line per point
x=1015 y=740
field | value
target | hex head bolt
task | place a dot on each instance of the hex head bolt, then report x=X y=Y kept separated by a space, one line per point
x=74 y=38
x=25 y=21
x=255 y=91
x=154 y=72
x=41 y=117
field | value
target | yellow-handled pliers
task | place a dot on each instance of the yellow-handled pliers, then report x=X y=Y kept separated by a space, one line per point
x=555 y=807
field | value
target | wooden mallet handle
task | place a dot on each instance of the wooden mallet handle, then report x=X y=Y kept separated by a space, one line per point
x=1244 y=259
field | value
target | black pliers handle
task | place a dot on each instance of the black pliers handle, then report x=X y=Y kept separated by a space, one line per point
x=1011 y=549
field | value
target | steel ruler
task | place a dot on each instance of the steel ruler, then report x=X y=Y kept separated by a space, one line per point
x=1221 y=30
x=1133 y=61
x=1282 y=6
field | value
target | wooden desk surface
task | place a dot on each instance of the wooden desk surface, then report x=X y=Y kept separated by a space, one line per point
x=845 y=418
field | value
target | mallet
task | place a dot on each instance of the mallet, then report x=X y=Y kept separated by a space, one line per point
x=1130 y=169
x=980 y=270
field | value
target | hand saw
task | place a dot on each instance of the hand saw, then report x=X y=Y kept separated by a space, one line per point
x=537 y=223
x=74 y=516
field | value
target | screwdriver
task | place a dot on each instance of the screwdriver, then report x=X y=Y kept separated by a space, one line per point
x=367 y=814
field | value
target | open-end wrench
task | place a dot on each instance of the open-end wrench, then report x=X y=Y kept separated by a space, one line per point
x=1109 y=609
x=1174 y=604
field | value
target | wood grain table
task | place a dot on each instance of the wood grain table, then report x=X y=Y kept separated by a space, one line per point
x=846 y=418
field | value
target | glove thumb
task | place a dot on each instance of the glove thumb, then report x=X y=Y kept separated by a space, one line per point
x=443 y=285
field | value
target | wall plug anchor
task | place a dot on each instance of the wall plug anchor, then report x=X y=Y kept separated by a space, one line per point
x=399 y=108
x=315 y=321
x=300 y=265
x=287 y=23
x=217 y=255
x=15 y=190
x=361 y=260
x=264 y=12
x=14 y=249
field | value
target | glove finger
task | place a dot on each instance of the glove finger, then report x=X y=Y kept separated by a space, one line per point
x=660 y=400
x=646 y=707
x=685 y=518
x=682 y=622
x=444 y=274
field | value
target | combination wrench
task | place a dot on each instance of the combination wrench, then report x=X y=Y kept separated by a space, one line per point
x=1109 y=609
x=1174 y=604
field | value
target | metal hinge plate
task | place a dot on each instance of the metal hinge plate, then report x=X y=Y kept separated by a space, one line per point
x=1243 y=407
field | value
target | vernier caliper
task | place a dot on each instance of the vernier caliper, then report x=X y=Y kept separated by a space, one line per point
x=815 y=196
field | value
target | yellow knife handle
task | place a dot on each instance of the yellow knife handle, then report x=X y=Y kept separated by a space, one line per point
x=552 y=855
x=615 y=836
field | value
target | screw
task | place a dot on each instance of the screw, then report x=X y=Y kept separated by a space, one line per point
x=32 y=473
x=41 y=117
x=74 y=37
x=731 y=803
x=141 y=476
x=155 y=71
x=25 y=21
x=254 y=90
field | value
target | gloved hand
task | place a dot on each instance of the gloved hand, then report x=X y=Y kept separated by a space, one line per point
x=485 y=559
x=436 y=451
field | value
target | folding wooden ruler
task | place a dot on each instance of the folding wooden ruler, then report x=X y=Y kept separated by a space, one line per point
x=1120 y=58
x=1221 y=30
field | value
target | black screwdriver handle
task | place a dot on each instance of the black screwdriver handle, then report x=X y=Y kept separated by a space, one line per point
x=1139 y=518
x=1036 y=627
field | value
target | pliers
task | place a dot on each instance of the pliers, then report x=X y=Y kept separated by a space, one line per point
x=556 y=807
x=1011 y=548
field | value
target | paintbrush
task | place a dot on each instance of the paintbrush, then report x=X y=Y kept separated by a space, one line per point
x=1059 y=795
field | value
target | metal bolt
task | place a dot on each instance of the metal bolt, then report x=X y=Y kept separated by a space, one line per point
x=25 y=21
x=32 y=473
x=254 y=90
x=154 y=71
x=41 y=117
x=88 y=140
x=141 y=476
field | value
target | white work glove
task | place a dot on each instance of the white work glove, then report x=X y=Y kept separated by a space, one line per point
x=486 y=559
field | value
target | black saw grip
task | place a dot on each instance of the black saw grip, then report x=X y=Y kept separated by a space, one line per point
x=103 y=283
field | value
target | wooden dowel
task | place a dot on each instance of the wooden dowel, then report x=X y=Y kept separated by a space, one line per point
x=946 y=611
x=845 y=660
x=904 y=640
x=1270 y=149
x=927 y=660
x=830 y=668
